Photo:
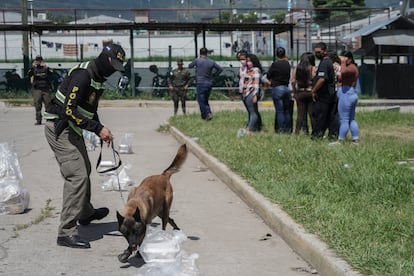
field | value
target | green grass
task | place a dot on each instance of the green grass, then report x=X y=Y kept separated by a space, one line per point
x=356 y=198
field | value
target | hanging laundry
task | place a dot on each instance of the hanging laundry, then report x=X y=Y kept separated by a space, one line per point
x=58 y=46
x=70 y=49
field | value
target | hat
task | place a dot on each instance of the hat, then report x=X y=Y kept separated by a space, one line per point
x=180 y=61
x=38 y=58
x=117 y=55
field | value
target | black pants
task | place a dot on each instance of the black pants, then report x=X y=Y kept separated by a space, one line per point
x=321 y=113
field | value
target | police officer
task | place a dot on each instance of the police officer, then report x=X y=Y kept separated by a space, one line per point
x=73 y=109
x=178 y=84
x=40 y=75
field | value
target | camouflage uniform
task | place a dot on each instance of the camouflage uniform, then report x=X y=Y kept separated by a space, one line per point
x=178 y=84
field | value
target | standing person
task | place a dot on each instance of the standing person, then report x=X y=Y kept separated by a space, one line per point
x=348 y=98
x=333 y=124
x=206 y=69
x=302 y=85
x=74 y=109
x=251 y=93
x=40 y=77
x=178 y=85
x=323 y=92
x=279 y=76
x=242 y=57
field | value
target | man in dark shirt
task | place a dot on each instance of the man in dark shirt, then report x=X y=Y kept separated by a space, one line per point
x=323 y=92
x=206 y=69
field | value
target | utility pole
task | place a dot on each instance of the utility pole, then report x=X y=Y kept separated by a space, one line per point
x=25 y=46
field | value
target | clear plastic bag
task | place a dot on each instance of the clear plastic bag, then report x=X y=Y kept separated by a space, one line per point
x=9 y=163
x=91 y=140
x=14 y=198
x=163 y=255
x=125 y=145
x=111 y=184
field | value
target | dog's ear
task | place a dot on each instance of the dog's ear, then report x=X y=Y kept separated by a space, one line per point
x=137 y=215
x=120 y=218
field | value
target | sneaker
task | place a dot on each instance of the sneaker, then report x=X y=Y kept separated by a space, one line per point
x=97 y=215
x=209 y=117
x=335 y=143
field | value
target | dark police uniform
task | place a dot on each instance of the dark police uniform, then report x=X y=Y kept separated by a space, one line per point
x=73 y=109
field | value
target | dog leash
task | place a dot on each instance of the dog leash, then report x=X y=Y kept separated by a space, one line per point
x=115 y=168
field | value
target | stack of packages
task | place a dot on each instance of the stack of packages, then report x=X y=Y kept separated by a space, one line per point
x=14 y=198
x=163 y=255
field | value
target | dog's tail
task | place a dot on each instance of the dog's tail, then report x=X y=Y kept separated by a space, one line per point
x=177 y=162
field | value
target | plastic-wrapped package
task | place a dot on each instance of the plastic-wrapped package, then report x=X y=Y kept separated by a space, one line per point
x=163 y=256
x=14 y=198
x=125 y=145
x=91 y=140
x=9 y=164
x=125 y=180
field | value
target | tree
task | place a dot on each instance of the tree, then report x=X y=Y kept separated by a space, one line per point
x=279 y=16
x=334 y=9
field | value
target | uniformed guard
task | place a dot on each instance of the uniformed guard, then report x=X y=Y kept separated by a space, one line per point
x=178 y=84
x=40 y=77
x=73 y=109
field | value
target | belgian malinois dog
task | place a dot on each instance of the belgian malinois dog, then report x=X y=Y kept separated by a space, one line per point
x=153 y=197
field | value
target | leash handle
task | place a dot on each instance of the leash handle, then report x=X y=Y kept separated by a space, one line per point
x=115 y=152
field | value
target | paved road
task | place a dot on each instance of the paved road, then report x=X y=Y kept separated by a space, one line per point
x=227 y=235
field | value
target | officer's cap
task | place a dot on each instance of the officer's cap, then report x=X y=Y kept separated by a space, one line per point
x=117 y=55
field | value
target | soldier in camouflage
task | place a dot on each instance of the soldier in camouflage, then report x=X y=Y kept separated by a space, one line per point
x=178 y=84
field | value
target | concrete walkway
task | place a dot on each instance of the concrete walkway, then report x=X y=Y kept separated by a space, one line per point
x=229 y=237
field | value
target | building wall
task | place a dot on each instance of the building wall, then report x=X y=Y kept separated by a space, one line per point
x=60 y=45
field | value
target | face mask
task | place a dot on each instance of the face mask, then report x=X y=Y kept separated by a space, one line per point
x=243 y=62
x=250 y=64
x=318 y=55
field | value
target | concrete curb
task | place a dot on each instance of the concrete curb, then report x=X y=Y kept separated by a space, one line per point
x=308 y=246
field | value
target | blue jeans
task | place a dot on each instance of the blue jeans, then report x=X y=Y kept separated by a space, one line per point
x=347 y=102
x=282 y=98
x=203 y=93
x=255 y=120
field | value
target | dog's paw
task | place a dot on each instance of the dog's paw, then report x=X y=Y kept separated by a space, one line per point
x=123 y=258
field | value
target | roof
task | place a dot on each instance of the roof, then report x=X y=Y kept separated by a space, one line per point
x=394 y=37
x=8 y=17
x=196 y=27
x=100 y=19
x=369 y=29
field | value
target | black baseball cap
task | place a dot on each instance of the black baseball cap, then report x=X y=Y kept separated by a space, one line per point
x=117 y=55
x=38 y=58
